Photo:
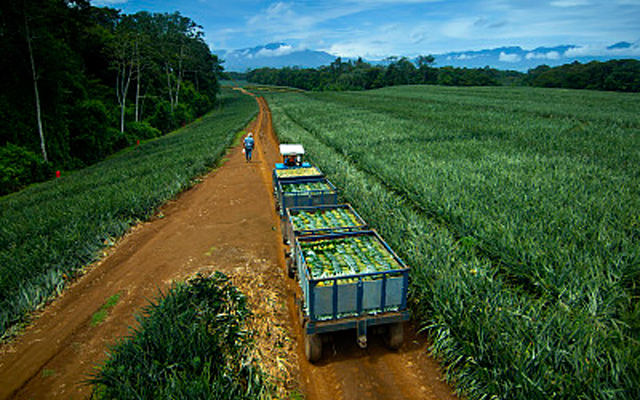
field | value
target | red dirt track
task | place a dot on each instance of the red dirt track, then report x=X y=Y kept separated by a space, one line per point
x=226 y=223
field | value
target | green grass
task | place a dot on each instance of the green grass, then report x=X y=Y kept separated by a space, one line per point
x=49 y=231
x=191 y=343
x=518 y=210
x=99 y=316
x=47 y=373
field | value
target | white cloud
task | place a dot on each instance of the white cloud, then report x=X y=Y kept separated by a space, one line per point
x=597 y=50
x=279 y=10
x=371 y=50
x=552 y=55
x=510 y=58
x=459 y=29
x=283 y=50
x=569 y=3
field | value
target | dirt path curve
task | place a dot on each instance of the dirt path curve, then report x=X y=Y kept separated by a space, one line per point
x=225 y=223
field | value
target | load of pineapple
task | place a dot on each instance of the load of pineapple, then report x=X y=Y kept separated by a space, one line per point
x=324 y=219
x=297 y=172
x=347 y=255
x=298 y=187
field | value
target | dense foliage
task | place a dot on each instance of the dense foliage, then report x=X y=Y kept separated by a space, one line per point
x=190 y=344
x=49 y=230
x=617 y=75
x=360 y=75
x=81 y=82
x=518 y=210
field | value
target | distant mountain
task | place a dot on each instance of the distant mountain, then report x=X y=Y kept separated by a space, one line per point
x=278 y=55
x=274 y=55
x=516 y=58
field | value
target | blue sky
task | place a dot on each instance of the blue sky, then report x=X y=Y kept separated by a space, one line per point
x=374 y=29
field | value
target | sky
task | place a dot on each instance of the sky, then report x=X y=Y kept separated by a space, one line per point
x=375 y=29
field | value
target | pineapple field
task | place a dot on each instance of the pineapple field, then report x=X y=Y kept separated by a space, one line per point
x=206 y=334
x=518 y=210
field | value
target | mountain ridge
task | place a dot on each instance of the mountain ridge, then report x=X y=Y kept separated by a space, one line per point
x=279 y=55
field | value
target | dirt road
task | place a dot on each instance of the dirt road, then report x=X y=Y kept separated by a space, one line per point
x=225 y=223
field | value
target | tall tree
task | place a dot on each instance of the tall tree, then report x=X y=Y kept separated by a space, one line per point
x=124 y=56
x=427 y=73
x=35 y=76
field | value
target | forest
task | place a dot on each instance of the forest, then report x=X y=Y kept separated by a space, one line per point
x=82 y=82
x=615 y=75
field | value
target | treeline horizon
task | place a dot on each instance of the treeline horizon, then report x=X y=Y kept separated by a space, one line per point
x=82 y=82
x=614 y=75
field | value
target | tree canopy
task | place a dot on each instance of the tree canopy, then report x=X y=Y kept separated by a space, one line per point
x=616 y=75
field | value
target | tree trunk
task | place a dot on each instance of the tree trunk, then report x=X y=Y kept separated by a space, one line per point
x=138 y=72
x=122 y=86
x=180 y=72
x=35 y=88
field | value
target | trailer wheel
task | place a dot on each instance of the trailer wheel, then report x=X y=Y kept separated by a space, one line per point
x=291 y=272
x=312 y=346
x=395 y=336
x=298 y=303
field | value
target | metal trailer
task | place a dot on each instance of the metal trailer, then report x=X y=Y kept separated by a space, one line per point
x=290 y=231
x=359 y=301
x=309 y=198
x=306 y=171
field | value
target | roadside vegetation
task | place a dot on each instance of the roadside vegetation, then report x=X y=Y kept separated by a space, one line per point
x=51 y=230
x=518 y=212
x=191 y=343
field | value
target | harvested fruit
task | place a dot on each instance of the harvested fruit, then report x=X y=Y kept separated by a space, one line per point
x=324 y=218
x=345 y=256
x=307 y=187
x=297 y=172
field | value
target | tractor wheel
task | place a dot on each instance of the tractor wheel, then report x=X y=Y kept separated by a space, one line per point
x=291 y=272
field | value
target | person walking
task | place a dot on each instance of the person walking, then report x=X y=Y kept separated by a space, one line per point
x=249 y=142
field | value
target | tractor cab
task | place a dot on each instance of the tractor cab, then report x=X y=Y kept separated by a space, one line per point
x=292 y=157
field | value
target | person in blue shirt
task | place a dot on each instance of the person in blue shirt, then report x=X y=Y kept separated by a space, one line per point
x=249 y=142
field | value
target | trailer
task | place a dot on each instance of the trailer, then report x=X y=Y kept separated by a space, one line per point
x=304 y=192
x=349 y=277
x=349 y=280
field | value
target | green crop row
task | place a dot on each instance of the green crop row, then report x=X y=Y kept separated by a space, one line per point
x=48 y=231
x=518 y=212
x=191 y=343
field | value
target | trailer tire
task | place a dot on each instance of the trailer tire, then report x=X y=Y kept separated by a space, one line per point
x=291 y=272
x=312 y=346
x=298 y=304
x=395 y=336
